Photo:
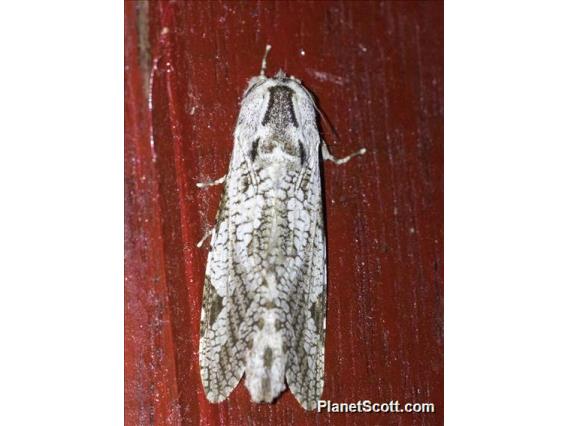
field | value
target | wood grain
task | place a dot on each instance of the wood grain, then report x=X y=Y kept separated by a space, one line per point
x=377 y=72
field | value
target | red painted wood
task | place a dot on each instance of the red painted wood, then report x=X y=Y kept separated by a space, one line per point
x=377 y=71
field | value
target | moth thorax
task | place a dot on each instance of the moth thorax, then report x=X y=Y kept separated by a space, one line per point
x=280 y=113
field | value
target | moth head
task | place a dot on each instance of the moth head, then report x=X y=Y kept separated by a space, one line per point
x=280 y=75
x=260 y=86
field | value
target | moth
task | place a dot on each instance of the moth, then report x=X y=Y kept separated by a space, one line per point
x=264 y=300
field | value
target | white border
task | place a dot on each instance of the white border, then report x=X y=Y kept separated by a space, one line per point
x=506 y=128
x=61 y=219
x=61 y=235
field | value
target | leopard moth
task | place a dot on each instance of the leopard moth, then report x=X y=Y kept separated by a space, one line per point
x=264 y=299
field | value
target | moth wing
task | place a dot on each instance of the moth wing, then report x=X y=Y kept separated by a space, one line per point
x=306 y=355
x=222 y=347
x=221 y=350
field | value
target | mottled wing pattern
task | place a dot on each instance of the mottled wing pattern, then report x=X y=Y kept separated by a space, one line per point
x=221 y=354
x=305 y=370
x=307 y=323
x=222 y=348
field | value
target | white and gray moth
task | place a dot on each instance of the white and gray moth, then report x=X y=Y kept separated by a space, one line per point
x=264 y=300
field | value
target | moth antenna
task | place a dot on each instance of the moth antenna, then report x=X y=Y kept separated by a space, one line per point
x=325 y=120
x=263 y=65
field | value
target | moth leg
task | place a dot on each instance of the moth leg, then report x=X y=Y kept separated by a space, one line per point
x=211 y=182
x=327 y=155
x=207 y=234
